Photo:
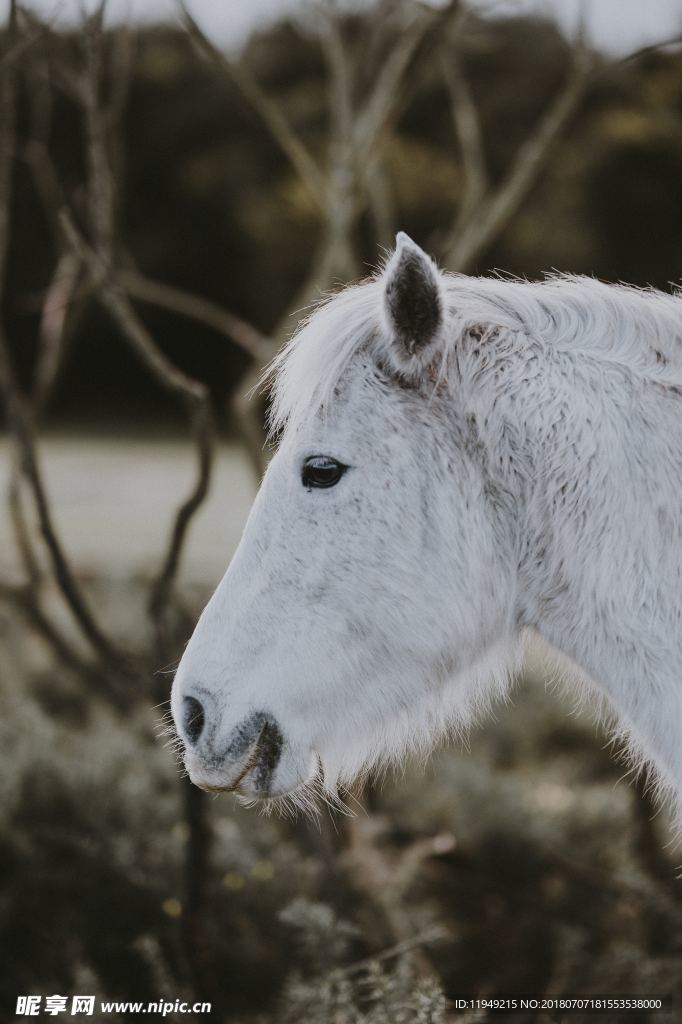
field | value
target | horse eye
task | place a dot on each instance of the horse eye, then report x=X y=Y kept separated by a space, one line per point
x=322 y=471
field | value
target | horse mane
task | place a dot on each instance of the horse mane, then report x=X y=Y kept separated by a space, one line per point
x=640 y=329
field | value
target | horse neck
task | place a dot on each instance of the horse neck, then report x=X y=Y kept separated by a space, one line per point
x=553 y=430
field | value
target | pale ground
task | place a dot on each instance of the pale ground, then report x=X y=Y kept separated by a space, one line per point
x=113 y=502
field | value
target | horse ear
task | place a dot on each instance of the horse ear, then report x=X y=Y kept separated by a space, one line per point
x=413 y=301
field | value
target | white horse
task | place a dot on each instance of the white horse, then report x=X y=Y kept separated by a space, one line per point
x=461 y=460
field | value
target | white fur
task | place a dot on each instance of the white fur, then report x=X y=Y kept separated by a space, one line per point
x=527 y=474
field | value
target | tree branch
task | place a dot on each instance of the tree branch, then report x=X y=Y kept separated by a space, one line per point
x=260 y=348
x=101 y=191
x=176 y=300
x=297 y=153
x=645 y=51
x=17 y=411
x=486 y=217
x=100 y=261
x=385 y=96
x=484 y=213
x=19 y=423
x=191 y=393
x=52 y=331
x=468 y=131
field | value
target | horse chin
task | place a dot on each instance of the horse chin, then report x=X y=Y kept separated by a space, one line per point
x=247 y=782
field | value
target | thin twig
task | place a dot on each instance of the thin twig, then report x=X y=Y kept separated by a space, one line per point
x=201 y=429
x=50 y=347
x=101 y=188
x=381 y=206
x=121 y=74
x=100 y=261
x=645 y=51
x=297 y=153
x=157 y=293
x=427 y=937
x=19 y=48
x=386 y=877
x=467 y=129
x=17 y=412
x=18 y=519
x=192 y=394
x=340 y=84
x=383 y=99
x=26 y=599
x=487 y=217
x=8 y=139
x=65 y=300
x=112 y=295
x=52 y=333
x=19 y=422
x=484 y=213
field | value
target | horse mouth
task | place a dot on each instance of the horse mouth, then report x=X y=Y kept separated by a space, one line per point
x=252 y=761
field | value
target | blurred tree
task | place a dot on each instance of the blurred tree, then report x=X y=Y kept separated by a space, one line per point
x=209 y=199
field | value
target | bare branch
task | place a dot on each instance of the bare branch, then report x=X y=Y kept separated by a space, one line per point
x=340 y=93
x=52 y=332
x=123 y=50
x=386 y=876
x=645 y=51
x=332 y=194
x=380 y=205
x=245 y=418
x=99 y=260
x=25 y=597
x=8 y=142
x=335 y=257
x=36 y=155
x=201 y=428
x=19 y=48
x=18 y=519
x=51 y=335
x=113 y=297
x=65 y=299
x=101 y=191
x=428 y=937
x=192 y=394
x=196 y=307
x=243 y=414
x=21 y=430
x=493 y=211
x=468 y=131
x=297 y=153
x=383 y=99
x=16 y=409
x=483 y=213
x=28 y=596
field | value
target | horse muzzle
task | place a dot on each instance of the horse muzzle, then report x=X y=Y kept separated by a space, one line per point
x=245 y=762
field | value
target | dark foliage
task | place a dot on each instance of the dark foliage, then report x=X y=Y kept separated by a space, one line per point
x=210 y=203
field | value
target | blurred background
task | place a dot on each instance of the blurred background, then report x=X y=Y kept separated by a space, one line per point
x=176 y=184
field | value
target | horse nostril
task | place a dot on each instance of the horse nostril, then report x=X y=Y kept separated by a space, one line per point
x=194 y=720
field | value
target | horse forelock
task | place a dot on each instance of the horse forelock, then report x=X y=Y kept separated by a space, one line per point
x=303 y=376
x=639 y=329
